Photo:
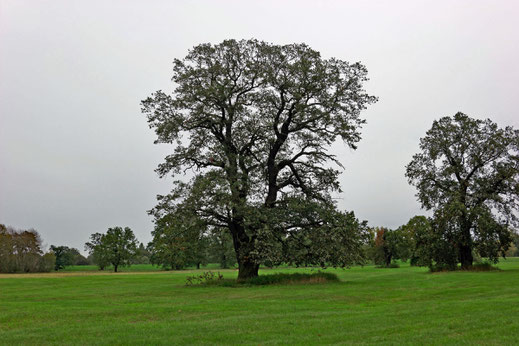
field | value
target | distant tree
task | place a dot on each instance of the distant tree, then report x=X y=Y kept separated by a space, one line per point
x=413 y=231
x=255 y=122
x=142 y=256
x=21 y=251
x=220 y=249
x=60 y=253
x=91 y=261
x=200 y=254
x=65 y=256
x=513 y=251
x=81 y=260
x=179 y=241
x=117 y=247
x=391 y=245
x=47 y=262
x=6 y=249
x=382 y=253
x=467 y=174
x=27 y=245
x=98 y=251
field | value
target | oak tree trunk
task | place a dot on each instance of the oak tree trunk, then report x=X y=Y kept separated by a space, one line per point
x=243 y=246
x=387 y=258
x=466 y=258
x=247 y=269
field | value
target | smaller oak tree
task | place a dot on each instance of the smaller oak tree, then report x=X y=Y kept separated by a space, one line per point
x=65 y=256
x=467 y=174
x=117 y=247
x=416 y=231
x=391 y=245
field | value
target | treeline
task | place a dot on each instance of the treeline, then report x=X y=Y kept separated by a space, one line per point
x=180 y=241
x=419 y=242
x=171 y=248
x=21 y=251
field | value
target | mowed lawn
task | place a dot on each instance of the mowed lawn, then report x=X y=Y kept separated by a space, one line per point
x=404 y=305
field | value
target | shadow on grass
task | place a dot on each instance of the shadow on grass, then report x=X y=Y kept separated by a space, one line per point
x=476 y=267
x=390 y=266
x=263 y=280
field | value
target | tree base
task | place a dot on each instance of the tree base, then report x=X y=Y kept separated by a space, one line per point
x=466 y=258
x=247 y=270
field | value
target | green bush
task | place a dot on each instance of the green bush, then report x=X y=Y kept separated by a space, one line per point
x=204 y=278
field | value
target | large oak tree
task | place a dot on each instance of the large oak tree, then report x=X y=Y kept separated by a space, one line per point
x=254 y=122
x=467 y=174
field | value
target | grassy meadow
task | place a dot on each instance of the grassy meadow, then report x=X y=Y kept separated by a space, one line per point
x=142 y=305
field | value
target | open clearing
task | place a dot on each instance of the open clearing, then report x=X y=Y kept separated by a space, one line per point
x=405 y=305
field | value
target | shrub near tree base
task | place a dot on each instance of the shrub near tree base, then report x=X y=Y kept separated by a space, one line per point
x=204 y=278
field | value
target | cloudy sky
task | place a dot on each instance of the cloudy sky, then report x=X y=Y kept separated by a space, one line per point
x=77 y=157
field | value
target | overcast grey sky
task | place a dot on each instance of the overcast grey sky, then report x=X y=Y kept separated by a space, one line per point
x=77 y=157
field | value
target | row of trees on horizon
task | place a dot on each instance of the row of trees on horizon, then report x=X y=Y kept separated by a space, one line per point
x=22 y=250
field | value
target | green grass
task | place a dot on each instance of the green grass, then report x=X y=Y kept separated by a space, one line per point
x=405 y=305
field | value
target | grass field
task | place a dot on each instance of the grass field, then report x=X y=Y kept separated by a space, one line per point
x=404 y=305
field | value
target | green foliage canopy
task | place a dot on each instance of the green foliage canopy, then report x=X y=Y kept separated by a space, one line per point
x=65 y=256
x=117 y=247
x=467 y=174
x=21 y=251
x=254 y=121
x=179 y=240
x=390 y=245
